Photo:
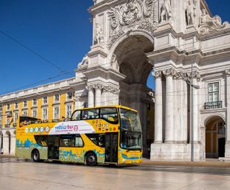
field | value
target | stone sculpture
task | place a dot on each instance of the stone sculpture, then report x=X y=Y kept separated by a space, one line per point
x=133 y=14
x=190 y=13
x=99 y=38
x=166 y=13
x=209 y=24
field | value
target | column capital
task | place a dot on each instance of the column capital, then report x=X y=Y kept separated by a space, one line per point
x=169 y=72
x=157 y=74
x=195 y=75
x=89 y=87
x=179 y=75
x=94 y=86
x=227 y=72
x=111 y=89
x=77 y=98
x=98 y=86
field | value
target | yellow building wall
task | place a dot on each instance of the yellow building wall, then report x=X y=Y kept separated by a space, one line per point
x=29 y=105
x=4 y=115
x=62 y=105
x=50 y=107
x=39 y=108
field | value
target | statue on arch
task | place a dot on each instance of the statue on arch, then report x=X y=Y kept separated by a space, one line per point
x=209 y=24
x=165 y=11
x=99 y=38
x=190 y=13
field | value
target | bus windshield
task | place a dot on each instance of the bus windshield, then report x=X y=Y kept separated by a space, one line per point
x=131 y=132
x=130 y=120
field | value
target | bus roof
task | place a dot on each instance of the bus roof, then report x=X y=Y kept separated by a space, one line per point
x=109 y=106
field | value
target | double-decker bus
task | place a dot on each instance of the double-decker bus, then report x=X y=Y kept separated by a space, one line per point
x=99 y=135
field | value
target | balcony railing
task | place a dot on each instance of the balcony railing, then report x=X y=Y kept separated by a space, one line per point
x=212 y=105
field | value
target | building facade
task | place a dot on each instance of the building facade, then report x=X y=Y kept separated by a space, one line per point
x=50 y=102
x=186 y=50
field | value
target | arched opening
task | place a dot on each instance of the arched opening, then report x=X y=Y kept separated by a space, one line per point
x=215 y=138
x=133 y=63
x=1 y=143
x=9 y=141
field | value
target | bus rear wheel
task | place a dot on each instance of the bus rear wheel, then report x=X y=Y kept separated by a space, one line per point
x=91 y=159
x=35 y=156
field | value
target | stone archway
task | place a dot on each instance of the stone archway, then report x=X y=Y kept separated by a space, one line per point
x=8 y=142
x=1 y=142
x=132 y=62
x=215 y=137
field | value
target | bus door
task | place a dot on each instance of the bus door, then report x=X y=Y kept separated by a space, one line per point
x=111 y=147
x=53 y=147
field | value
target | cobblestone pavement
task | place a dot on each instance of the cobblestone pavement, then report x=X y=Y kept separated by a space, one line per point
x=26 y=175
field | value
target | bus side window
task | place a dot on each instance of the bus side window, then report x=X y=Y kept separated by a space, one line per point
x=78 y=141
x=97 y=139
x=67 y=141
x=41 y=140
x=76 y=115
x=90 y=114
x=109 y=114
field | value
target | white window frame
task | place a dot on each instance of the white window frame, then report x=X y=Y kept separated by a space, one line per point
x=25 y=104
x=7 y=106
x=25 y=113
x=207 y=90
x=34 y=110
x=43 y=100
x=67 y=95
x=35 y=101
x=8 y=120
x=56 y=97
x=67 y=111
x=15 y=118
x=16 y=105
x=56 y=116
x=44 y=118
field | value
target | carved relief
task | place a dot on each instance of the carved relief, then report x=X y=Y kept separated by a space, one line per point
x=190 y=12
x=112 y=89
x=179 y=75
x=166 y=13
x=134 y=14
x=98 y=86
x=84 y=63
x=169 y=72
x=89 y=87
x=157 y=74
x=195 y=75
x=114 y=62
x=99 y=37
x=209 y=25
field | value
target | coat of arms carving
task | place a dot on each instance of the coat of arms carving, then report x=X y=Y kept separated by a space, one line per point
x=134 y=14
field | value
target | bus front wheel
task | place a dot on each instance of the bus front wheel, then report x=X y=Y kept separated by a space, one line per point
x=91 y=159
x=35 y=156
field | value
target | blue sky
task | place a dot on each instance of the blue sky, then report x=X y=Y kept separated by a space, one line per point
x=59 y=30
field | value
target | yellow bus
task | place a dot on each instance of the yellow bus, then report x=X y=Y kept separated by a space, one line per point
x=99 y=135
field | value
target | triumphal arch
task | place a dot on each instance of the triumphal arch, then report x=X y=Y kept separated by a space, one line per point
x=166 y=38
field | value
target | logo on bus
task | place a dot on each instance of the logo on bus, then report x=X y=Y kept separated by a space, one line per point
x=66 y=128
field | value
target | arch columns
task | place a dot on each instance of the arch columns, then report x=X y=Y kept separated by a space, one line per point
x=169 y=137
x=90 y=96
x=227 y=147
x=171 y=111
x=158 y=133
x=98 y=94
